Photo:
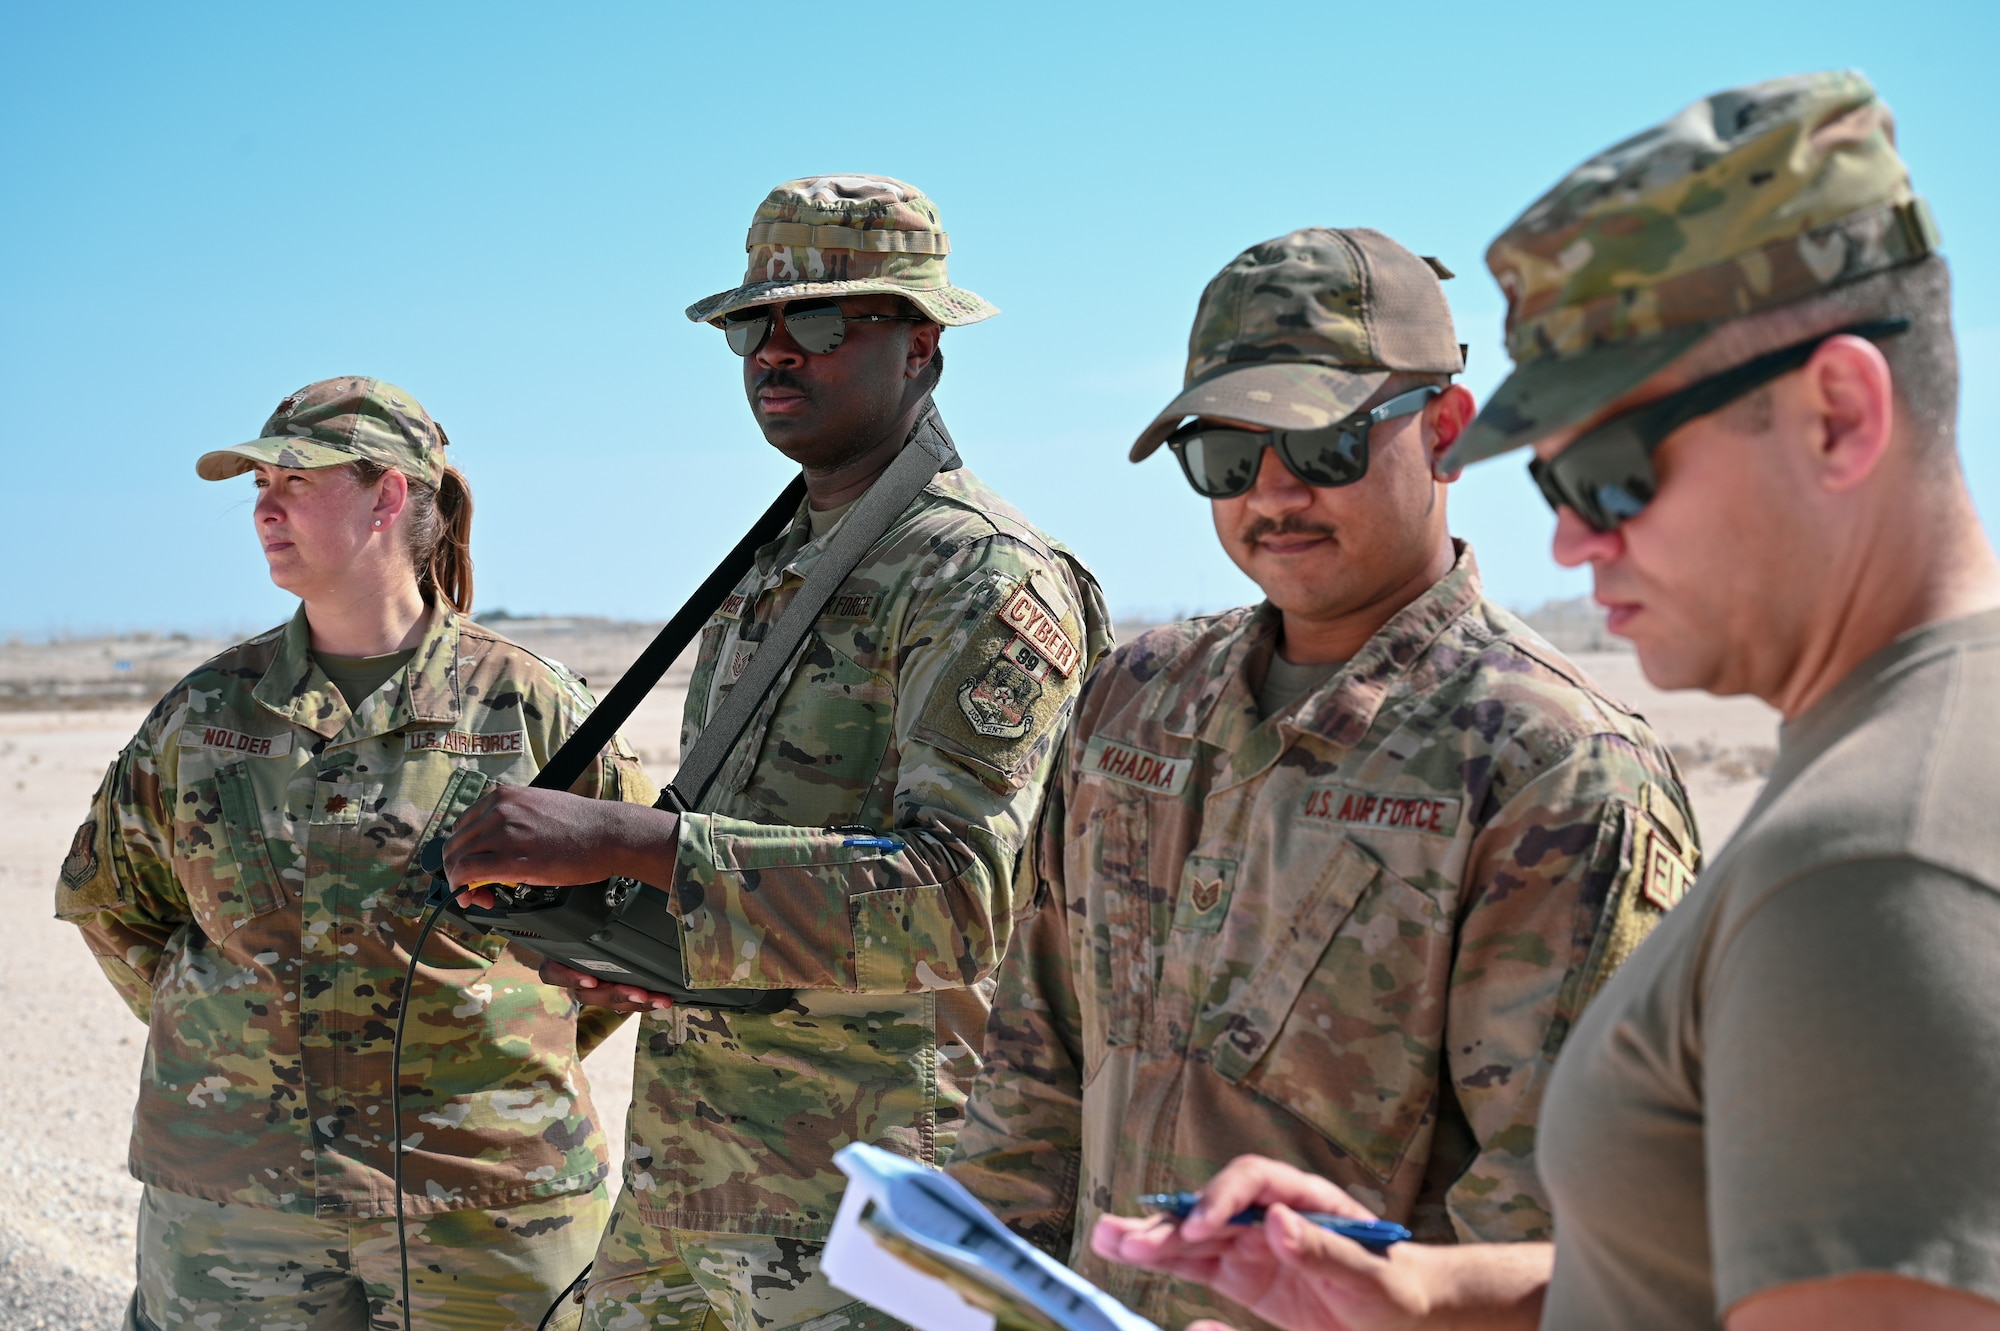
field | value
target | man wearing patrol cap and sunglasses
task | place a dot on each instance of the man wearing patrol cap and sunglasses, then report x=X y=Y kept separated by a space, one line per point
x=1331 y=876
x=859 y=845
x=1736 y=369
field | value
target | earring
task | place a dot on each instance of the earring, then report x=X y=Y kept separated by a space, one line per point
x=378 y=522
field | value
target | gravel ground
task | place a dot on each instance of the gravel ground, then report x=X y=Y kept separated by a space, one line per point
x=71 y=1051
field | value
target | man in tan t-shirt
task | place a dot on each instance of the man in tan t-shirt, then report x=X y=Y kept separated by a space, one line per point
x=1736 y=368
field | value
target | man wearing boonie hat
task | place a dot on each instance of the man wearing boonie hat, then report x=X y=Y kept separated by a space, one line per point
x=1331 y=876
x=860 y=846
x=1736 y=369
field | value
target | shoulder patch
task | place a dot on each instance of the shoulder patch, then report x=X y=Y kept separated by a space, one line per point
x=1648 y=878
x=998 y=701
x=1665 y=876
x=80 y=865
x=194 y=736
x=1135 y=767
x=86 y=883
x=1040 y=631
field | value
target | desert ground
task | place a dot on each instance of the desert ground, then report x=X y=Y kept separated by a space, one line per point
x=71 y=1050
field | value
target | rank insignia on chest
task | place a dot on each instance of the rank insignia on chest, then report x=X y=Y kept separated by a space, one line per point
x=1206 y=886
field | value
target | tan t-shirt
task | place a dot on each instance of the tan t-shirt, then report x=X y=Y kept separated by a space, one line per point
x=1797 y=1076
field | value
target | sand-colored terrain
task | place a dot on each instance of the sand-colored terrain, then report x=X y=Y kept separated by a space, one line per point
x=70 y=1050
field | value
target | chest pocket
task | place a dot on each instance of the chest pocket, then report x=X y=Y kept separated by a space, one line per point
x=820 y=751
x=1341 y=1024
x=221 y=851
x=1120 y=917
x=461 y=792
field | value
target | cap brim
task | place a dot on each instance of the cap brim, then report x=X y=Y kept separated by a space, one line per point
x=1554 y=393
x=951 y=306
x=1280 y=395
x=294 y=454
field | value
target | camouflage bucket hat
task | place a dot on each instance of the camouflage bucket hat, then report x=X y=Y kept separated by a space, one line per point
x=847 y=236
x=1299 y=331
x=336 y=421
x=1750 y=199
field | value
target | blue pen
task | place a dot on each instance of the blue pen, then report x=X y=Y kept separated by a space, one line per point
x=1374 y=1235
x=874 y=842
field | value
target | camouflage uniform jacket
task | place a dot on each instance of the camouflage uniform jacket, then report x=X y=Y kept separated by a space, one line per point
x=924 y=713
x=1351 y=936
x=245 y=880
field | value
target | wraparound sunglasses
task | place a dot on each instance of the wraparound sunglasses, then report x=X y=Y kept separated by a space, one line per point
x=1221 y=461
x=1607 y=475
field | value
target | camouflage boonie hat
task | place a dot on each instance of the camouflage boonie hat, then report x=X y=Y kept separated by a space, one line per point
x=1299 y=331
x=1747 y=200
x=336 y=421
x=847 y=236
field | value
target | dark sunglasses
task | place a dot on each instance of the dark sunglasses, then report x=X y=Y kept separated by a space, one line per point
x=1607 y=475
x=1221 y=461
x=818 y=326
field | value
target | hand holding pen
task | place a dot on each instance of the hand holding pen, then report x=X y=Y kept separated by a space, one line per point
x=1292 y=1271
x=1374 y=1235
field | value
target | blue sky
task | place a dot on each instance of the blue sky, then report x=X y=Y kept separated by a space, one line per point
x=504 y=208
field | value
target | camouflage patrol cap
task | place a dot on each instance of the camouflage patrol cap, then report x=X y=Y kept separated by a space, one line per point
x=1299 y=331
x=847 y=236
x=335 y=421
x=1747 y=200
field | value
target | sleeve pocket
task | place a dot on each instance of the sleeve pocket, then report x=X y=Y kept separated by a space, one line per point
x=894 y=931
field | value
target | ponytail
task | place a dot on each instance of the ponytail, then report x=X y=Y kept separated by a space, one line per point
x=438 y=527
x=447 y=570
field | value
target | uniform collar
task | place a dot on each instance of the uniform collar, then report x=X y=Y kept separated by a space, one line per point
x=794 y=551
x=1223 y=712
x=425 y=690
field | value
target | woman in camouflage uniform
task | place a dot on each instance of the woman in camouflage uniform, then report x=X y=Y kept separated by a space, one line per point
x=247 y=880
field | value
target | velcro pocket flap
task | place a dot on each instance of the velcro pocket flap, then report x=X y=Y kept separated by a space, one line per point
x=1251 y=1017
x=461 y=792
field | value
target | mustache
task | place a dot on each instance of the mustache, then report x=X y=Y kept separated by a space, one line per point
x=778 y=377
x=1290 y=525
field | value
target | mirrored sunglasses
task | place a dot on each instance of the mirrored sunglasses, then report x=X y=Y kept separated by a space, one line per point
x=818 y=326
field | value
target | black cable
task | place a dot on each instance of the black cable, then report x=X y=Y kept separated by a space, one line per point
x=439 y=895
x=568 y=1290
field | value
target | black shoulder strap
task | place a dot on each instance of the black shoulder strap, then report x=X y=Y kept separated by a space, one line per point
x=567 y=763
x=928 y=452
